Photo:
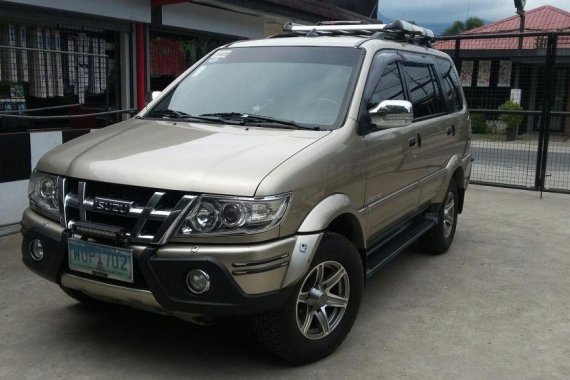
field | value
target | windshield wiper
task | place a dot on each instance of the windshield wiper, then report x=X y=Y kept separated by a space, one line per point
x=252 y=118
x=174 y=114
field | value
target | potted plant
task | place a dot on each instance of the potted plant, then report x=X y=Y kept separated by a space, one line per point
x=512 y=121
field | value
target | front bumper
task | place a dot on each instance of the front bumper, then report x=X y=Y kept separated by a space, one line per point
x=245 y=279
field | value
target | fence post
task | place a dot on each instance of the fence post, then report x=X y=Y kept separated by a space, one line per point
x=542 y=153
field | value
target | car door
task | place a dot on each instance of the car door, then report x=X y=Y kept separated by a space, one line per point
x=392 y=191
x=434 y=126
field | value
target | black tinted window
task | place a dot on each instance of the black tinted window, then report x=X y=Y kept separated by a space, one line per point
x=450 y=85
x=424 y=91
x=389 y=86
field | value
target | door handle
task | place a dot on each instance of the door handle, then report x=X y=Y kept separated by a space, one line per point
x=451 y=130
x=412 y=141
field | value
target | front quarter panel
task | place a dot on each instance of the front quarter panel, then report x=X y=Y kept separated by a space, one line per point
x=333 y=165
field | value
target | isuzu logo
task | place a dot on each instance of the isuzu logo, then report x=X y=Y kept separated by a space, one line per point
x=111 y=205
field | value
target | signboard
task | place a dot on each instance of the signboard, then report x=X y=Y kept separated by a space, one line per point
x=466 y=73
x=484 y=77
x=505 y=69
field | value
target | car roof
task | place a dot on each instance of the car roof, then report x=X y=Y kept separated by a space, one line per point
x=336 y=41
x=339 y=41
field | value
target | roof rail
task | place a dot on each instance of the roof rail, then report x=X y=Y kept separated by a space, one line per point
x=398 y=30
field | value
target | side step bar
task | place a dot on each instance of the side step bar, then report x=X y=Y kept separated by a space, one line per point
x=388 y=248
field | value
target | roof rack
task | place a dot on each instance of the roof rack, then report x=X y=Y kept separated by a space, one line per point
x=398 y=30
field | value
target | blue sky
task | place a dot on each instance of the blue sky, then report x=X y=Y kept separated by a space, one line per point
x=446 y=11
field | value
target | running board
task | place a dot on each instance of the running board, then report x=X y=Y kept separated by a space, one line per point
x=390 y=247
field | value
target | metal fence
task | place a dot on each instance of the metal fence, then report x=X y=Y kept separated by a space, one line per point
x=518 y=91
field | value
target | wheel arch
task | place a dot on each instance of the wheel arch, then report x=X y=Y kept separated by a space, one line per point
x=337 y=214
x=459 y=178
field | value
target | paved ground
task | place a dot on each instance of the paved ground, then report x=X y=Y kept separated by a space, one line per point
x=496 y=306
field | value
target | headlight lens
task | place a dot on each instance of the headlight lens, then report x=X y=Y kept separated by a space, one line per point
x=225 y=215
x=43 y=194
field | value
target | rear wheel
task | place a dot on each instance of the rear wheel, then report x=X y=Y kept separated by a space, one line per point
x=321 y=311
x=438 y=240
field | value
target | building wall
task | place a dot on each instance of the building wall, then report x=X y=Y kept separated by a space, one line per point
x=213 y=20
x=132 y=10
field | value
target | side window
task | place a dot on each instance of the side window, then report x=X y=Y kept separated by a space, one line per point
x=450 y=85
x=389 y=86
x=423 y=90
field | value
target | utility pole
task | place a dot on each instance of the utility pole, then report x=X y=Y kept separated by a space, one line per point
x=519 y=5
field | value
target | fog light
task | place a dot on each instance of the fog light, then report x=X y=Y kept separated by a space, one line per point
x=198 y=281
x=36 y=250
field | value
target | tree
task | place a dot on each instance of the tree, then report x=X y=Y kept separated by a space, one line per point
x=459 y=27
x=473 y=22
x=456 y=28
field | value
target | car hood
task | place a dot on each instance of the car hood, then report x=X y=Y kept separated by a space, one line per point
x=205 y=158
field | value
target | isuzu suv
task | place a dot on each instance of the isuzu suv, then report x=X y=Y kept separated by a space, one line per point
x=271 y=179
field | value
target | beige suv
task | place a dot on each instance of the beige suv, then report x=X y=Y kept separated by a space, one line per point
x=271 y=179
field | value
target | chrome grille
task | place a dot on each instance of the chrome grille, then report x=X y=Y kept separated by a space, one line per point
x=146 y=215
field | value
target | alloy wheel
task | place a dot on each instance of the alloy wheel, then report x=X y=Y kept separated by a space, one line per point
x=322 y=300
x=448 y=214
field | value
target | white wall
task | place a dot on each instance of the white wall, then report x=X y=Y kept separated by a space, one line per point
x=14 y=195
x=198 y=17
x=133 y=10
x=13 y=201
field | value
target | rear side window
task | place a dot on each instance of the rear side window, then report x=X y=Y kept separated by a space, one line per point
x=450 y=84
x=423 y=90
x=389 y=86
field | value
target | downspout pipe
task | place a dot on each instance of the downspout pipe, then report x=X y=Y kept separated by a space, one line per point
x=141 y=65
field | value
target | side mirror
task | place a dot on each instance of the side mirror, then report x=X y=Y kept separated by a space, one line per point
x=392 y=114
x=150 y=96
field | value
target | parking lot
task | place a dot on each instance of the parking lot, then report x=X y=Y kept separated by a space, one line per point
x=497 y=305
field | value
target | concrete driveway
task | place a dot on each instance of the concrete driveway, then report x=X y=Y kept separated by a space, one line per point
x=497 y=305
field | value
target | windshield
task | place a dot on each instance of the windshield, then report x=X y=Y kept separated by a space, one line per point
x=304 y=85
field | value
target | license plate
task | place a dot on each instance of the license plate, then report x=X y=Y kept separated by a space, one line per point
x=100 y=260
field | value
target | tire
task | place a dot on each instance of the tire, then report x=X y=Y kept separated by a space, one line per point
x=281 y=331
x=438 y=240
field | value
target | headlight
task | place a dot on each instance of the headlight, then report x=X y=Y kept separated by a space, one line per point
x=43 y=194
x=226 y=215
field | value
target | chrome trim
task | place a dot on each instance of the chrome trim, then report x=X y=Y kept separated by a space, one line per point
x=377 y=200
x=174 y=218
x=147 y=210
x=81 y=201
x=62 y=199
x=432 y=175
x=242 y=272
x=260 y=262
x=134 y=212
x=169 y=218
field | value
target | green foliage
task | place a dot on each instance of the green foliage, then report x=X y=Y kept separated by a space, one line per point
x=473 y=22
x=459 y=27
x=456 y=28
x=512 y=121
x=478 y=123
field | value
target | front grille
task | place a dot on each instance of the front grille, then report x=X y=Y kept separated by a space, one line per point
x=144 y=215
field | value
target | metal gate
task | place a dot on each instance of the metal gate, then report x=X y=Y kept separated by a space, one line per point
x=518 y=90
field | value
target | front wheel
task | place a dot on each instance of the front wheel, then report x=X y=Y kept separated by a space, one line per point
x=438 y=240
x=321 y=311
